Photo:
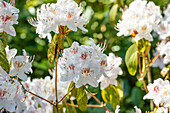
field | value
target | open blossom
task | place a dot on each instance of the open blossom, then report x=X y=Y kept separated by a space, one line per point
x=139 y=20
x=83 y=64
x=63 y=13
x=20 y=66
x=8 y=17
x=11 y=93
x=112 y=71
x=10 y=53
x=159 y=91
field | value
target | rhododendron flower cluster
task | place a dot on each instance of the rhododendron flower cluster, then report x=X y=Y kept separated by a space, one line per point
x=11 y=93
x=86 y=64
x=159 y=91
x=44 y=88
x=63 y=13
x=139 y=20
x=8 y=17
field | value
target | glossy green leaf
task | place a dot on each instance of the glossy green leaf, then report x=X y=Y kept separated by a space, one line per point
x=69 y=41
x=131 y=59
x=113 y=12
x=70 y=86
x=111 y=95
x=51 y=50
x=81 y=98
x=4 y=63
x=2 y=48
x=60 y=42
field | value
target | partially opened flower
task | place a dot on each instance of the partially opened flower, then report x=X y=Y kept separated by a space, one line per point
x=20 y=66
x=112 y=70
x=8 y=17
x=10 y=53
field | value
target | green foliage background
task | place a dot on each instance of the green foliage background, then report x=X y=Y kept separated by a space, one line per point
x=101 y=28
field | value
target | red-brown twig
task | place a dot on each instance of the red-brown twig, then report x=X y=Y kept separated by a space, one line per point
x=56 y=98
x=66 y=94
x=154 y=59
x=40 y=97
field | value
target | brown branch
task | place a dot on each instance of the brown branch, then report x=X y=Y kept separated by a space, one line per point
x=101 y=104
x=40 y=97
x=56 y=98
x=154 y=59
x=66 y=94
x=149 y=81
x=34 y=93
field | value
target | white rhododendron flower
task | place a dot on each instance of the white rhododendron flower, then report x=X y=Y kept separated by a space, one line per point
x=10 y=53
x=163 y=30
x=63 y=13
x=165 y=51
x=83 y=64
x=167 y=13
x=11 y=93
x=137 y=109
x=139 y=20
x=46 y=89
x=20 y=66
x=159 y=91
x=112 y=71
x=162 y=110
x=117 y=109
x=8 y=17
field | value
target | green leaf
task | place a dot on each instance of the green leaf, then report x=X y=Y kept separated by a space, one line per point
x=4 y=40
x=121 y=3
x=131 y=59
x=68 y=109
x=113 y=12
x=81 y=98
x=3 y=60
x=51 y=50
x=4 y=63
x=60 y=42
x=2 y=48
x=111 y=95
x=70 y=86
x=119 y=90
x=69 y=41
